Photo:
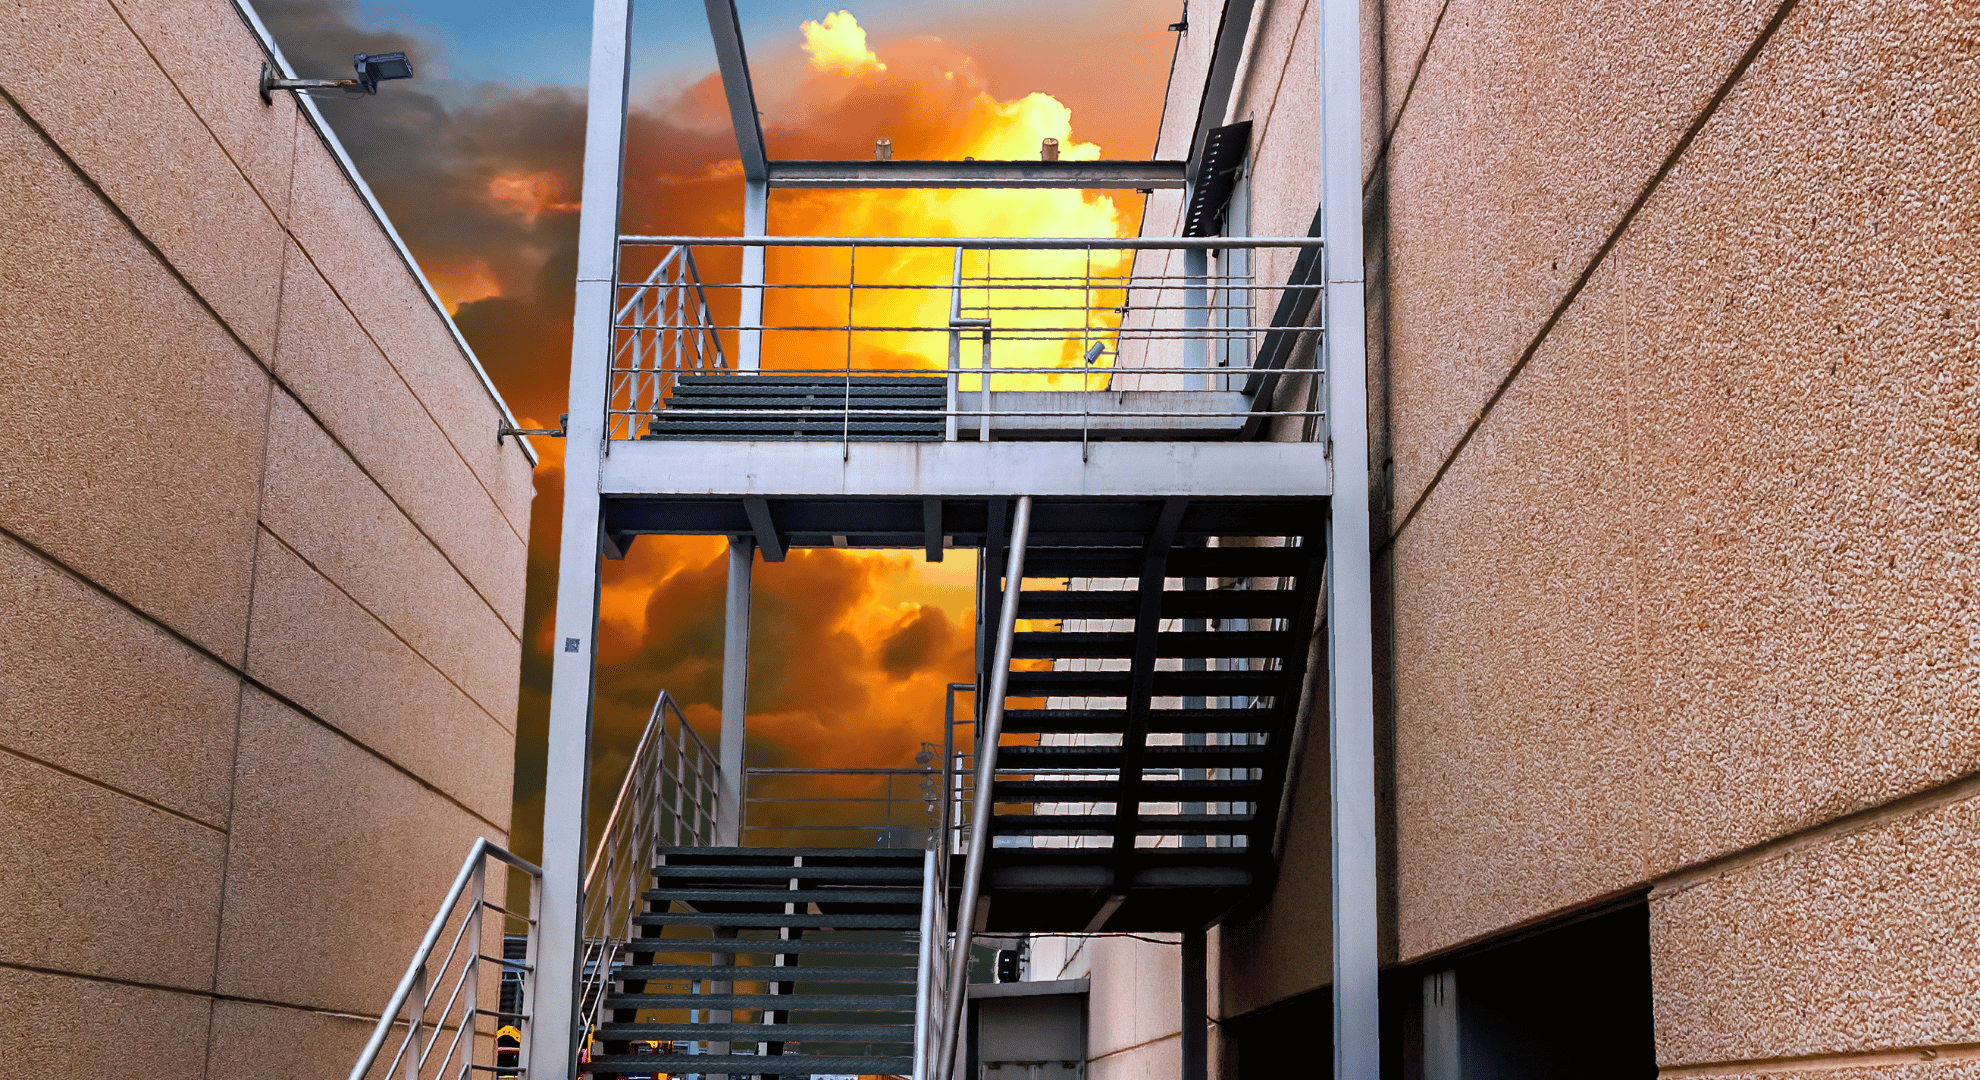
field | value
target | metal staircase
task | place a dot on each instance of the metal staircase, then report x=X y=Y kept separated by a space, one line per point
x=1151 y=709
x=770 y=961
x=772 y=408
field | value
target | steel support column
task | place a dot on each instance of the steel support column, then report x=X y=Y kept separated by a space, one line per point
x=553 y=1049
x=1196 y=316
x=1195 y=1005
x=735 y=693
x=1350 y=660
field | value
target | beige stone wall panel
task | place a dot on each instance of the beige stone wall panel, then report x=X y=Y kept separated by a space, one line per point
x=338 y=520
x=1284 y=945
x=1860 y=943
x=97 y=883
x=325 y=357
x=1704 y=577
x=133 y=422
x=256 y=1040
x=1532 y=128
x=334 y=855
x=1519 y=779
x=54 y=1021
x=1808 y=424
x=1280 y=94
x=314 y=645
x=358 y=261
x=76 y=68
x=96 y=690
x=205 y=49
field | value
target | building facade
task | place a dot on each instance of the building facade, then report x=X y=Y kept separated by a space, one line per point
x=261 y=564
x=1673 y=353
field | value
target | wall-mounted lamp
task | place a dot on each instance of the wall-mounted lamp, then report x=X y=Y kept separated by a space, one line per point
x=372 y=69
x=1096 y=351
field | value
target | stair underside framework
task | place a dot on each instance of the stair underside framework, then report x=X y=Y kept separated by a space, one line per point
x=1161 y=648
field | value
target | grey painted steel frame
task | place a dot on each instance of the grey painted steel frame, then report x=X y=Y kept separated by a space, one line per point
x=1087 y=175
x=962 y=469
x=1350 y=620
x=553 y=1052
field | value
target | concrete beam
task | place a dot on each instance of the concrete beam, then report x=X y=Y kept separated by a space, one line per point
x=956 y=469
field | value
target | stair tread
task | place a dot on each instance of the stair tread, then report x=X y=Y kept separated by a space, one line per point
x=752 y=1064
x=773 y=946
x=903 y=1003
x=733 y=1032
x=840 y=921
x=875 y=874
x=844 y=895
x=764 y=973
x=1114 y=721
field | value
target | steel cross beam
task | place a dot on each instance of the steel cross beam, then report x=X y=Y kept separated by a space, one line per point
x=726 y=30
x=977 y=174
x=1141 y=690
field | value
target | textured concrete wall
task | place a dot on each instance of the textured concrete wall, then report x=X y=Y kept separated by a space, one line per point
x=1675 y=360
x=1134 y=1008
x=261 y=564
x=1700 y=580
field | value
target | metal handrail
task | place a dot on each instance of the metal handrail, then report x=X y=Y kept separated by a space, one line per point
x=419 y=976
x=986 y=769
x=667 y=798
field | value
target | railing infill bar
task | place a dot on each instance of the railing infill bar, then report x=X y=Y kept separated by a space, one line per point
x=482 y=848
x=996 y=243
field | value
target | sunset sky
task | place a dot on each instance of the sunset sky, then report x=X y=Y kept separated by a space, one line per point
x=477 y=162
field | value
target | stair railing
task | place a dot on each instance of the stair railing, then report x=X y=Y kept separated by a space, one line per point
x=666 y=800
x=956 y=987
x=458 y=1020
x=661 y=330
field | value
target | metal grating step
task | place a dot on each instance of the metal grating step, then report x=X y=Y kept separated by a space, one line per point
x=836 y=1033
x=1114 y=721
x=1047 y=758
x=843 y=921
x=780 y=1002
x=763 y=973
x=753 y=1064
x=776 y=947
x=1176 y=644
x=1166 y=683
x=1104 y=824
x=1157 y=791
x=850 y=894
x=1176 y=604
x=876 y=874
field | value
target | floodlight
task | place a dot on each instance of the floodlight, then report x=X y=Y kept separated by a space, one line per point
x=372 y=69
x=1094 y=351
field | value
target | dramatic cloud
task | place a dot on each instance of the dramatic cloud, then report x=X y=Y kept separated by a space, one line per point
x=851 y=651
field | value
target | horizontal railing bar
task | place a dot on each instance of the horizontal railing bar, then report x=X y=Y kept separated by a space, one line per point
x=825 y=412
x=935 y=374
x=987 y=243
x=1015 y=333
x=765 y=771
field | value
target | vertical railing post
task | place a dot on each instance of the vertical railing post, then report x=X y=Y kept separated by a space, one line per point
x=735 y=693
x=415 y=1046
x=756 y=216
x=471 y=1012
x=531 y=957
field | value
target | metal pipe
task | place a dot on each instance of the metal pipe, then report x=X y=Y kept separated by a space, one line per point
x=986 y=768
x=998 y=243
x=756 y=210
